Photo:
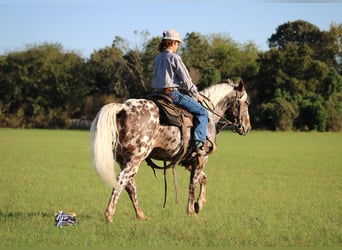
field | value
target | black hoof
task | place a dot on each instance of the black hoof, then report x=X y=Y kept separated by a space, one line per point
x=196 y=206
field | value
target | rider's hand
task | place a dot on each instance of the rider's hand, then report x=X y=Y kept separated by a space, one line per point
x=200 y=99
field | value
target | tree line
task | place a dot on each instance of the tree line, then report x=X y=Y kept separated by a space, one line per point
x=295 y=85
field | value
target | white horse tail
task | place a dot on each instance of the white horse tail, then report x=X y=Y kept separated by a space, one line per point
x=104 y=138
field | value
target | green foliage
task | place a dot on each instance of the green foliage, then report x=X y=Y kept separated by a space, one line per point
x=41 y=81
x=45 y=86
x=331 y=84
x=280 y=113
x=217 y=58
x=298 y=33
x=332 y=52
x=302 y=62
x=313 y=115
x=106 y=68
x=196 y=55
x=334 y=109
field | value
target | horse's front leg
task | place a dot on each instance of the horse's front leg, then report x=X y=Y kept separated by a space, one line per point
x=201 y=197
x=131 y=189
x=194 y=179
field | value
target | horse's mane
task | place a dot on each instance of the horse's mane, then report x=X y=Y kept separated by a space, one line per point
x=217 y=92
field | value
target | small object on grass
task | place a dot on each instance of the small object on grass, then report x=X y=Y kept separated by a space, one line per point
x=65 y=219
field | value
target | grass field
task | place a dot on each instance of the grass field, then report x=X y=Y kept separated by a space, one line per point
x=265 y=189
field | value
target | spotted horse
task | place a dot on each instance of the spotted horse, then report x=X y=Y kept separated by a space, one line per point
x=130 y=132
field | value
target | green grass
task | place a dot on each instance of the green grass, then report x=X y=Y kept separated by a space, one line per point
x=265 y=189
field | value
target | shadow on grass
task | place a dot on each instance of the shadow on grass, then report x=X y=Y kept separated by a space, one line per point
x=21 y=215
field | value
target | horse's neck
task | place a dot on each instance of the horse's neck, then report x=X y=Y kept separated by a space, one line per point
x=221 y=96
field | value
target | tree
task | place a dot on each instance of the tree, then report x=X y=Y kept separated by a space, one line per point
x=217 y=57
x=333 y=45
x=196 y=56
x=296 y=83
x=334 y=109
x=313 y=115
x=137 y=78
x=139 y=67
x=301 y=66
x=42 y=85
x=280 y=112
x=106 y=69
x=298 y=32
x=150 y=52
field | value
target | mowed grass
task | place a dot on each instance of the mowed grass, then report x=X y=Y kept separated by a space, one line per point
x=265 y=189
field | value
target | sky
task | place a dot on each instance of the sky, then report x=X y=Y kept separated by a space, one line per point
x=84 y=26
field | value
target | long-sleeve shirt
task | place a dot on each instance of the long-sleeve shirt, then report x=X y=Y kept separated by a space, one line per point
x=170 y=71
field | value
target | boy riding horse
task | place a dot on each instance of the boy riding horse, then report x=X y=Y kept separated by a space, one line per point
x=171 y=75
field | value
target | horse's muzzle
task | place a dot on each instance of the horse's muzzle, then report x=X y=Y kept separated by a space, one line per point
x=242 y=130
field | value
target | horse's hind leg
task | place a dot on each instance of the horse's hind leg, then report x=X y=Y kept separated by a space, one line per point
x=124 y=180
x=131 y=189
x=110 y=210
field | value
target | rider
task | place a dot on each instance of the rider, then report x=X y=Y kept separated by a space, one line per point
x=170 y=75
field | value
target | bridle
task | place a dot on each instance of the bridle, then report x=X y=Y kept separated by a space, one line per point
x=208 y=105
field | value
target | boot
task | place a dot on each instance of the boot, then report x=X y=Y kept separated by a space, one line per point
x=199 y=148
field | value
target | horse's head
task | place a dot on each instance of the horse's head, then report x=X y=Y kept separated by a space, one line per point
x=231 y=100
x=238 y=111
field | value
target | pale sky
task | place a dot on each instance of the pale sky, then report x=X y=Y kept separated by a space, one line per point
x=87 y=25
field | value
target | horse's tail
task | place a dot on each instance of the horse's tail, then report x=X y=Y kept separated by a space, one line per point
x=104 y=138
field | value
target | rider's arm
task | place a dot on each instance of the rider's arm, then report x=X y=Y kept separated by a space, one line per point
x=184 y=77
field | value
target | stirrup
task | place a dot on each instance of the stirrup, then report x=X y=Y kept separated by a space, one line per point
x=198 y=149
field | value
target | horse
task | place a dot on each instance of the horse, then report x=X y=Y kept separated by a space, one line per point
x=130 y=132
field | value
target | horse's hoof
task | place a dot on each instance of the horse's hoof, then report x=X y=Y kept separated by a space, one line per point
x=109 y=220
x=197 y=208
x=142 y=218
x=191 y=213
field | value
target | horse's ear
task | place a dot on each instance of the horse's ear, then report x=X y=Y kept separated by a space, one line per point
x=241 y=85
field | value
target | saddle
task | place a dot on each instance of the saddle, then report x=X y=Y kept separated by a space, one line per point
x=170 y=114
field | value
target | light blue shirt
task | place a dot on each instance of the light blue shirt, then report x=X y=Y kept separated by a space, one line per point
x=170 y=71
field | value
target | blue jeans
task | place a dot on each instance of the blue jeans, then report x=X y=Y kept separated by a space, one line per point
x=196 y=109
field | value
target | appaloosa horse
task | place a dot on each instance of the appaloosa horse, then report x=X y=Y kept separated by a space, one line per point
x=130 y=132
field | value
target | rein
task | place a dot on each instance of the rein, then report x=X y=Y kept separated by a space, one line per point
x=165 y=168
x=226 y=123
